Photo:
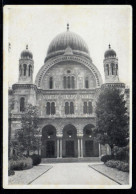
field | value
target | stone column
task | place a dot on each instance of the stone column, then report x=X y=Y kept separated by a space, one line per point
x=79 y=151
x=58 y=148
x=81 y=147
x=99 y=149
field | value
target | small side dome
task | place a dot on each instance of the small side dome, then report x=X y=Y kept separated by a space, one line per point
x=26 y=54
x=110 y=53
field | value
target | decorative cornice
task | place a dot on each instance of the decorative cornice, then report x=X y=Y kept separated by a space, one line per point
x=113 y=85
x=24 y=86
x=64 y=91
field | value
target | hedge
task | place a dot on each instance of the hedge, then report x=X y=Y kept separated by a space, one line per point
x=105 y=158
x=36 y=159
x=20 y=164
x=120 y=165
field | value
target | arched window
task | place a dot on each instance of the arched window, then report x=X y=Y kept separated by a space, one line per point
x=51 y=82
x=64 y=81
x=22 y=104
x=30 y=69
x=90 y=108
x=112 y=68
x=66 y=108
x=116 y=69
x=53 y=108
x=69 y=82
x=71 y=108
x=48 y=108
x=20 y=70
x=107 y=67
x=25 y=69
x=73 y=82
x=85 y=108
x=86 y=82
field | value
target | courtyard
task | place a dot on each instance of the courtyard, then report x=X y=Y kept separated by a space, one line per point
x=75 y=174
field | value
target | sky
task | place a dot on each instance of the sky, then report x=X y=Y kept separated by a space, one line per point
x=97 y=25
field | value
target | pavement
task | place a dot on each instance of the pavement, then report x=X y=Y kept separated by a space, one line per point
x=25 y=177
x=72 y=174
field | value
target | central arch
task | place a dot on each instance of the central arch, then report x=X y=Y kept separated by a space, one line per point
x=49 y=142
x=69 y=142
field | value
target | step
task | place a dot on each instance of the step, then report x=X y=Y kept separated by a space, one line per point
x=69 y=160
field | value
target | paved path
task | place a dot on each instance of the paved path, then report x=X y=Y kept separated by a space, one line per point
x=24 y=177
x=72 y=174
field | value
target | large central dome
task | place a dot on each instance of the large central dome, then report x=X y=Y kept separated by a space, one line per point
x=66 y=40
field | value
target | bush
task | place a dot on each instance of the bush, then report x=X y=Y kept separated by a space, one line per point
x=112 y=163
x=105 y=158
x=121 y=153
x=36 y=159
x=11 y=172
x=20 y=163
x=120 y=165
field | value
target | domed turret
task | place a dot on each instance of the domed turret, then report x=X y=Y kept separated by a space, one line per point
x=66 y=40
x=110 y=53
x=26 y=54
x=111 y=66
x=26 y=66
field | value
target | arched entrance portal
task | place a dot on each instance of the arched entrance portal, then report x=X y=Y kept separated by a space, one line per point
x=90 y=146
x=49 y=142
x=69 y=143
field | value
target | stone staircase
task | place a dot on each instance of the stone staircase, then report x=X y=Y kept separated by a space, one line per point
x=70 y=160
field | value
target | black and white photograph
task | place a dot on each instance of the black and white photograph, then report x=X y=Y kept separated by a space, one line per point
x=67 y=86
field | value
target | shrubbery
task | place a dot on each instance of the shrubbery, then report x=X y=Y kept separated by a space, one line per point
x=10 y=172
x=120 y=165
x=36 y=159
x=121 y=153
x=20 y=163
x=105 y=158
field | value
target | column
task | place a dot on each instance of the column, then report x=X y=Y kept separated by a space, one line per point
x=40 y=143
x=99 y=149
x=58 y=148
x=79 y=148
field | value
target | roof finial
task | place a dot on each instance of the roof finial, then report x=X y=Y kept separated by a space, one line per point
x=27 y=46
x=67 y=26
x=109 y=46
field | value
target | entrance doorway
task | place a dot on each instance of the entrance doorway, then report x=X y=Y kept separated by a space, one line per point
x=89 y=148
x=69 y=148
x=50 y=149
x=49 y=142
x=69 y=142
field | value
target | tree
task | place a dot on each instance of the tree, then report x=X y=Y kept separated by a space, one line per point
x=27 y=136
x=111 y=118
